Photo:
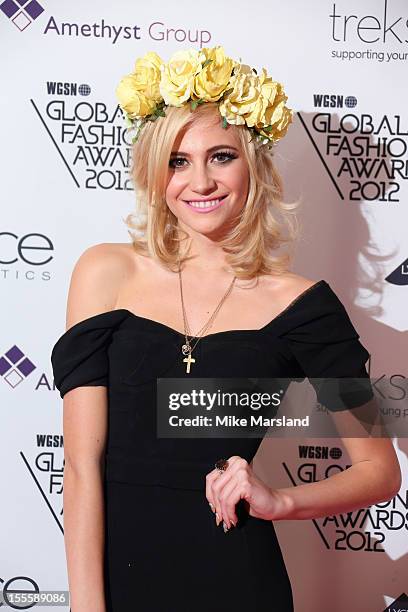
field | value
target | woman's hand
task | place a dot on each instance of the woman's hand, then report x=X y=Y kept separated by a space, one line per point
x=238 y=481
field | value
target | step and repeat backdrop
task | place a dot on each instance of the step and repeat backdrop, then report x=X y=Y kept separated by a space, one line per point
x=65 y=186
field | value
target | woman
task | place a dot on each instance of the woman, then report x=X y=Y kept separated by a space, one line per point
x=140 y=531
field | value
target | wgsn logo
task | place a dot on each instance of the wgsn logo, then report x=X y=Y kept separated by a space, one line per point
x=59 y=88
x=87 y=136
x=334 y=101
x=363 y=155
x=319 y=452
x=366 y=529
x=45 y=465
x=21 y=13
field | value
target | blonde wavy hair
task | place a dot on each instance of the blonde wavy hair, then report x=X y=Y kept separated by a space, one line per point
x=265 y=224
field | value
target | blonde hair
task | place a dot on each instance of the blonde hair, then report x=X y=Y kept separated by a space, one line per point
x=259 y=230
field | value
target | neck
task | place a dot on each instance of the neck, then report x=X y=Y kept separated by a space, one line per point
x=205 y=254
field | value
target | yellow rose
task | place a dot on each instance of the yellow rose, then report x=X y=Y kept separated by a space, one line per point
x=275 y=101
x=281 y=126
x=276 y=112
x=267 y=109
x=147 y=75
x=177 y=79
x=132 y=100
x=256 y=117
x=244 y=97
x=212 y=81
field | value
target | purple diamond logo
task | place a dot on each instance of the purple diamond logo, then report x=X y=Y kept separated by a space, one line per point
x=14 y=354
x=21 y=12
x=34 y=9
x=5 y=366
x=15 y=366
x=9 y=8
x=21 y=21
x=26 y=367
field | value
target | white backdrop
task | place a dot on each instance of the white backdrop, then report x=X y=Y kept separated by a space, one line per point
x=64 y=187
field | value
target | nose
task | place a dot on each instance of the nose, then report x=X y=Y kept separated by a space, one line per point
x=200 y=177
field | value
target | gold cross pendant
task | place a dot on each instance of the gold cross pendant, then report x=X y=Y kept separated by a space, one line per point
x=188 y=360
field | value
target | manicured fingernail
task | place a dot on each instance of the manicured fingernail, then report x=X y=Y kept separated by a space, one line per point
x=224 y=527
x=217 y=518
x=211 y=506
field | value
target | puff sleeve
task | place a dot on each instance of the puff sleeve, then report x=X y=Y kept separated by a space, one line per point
x=326 y=346
x=80 y=356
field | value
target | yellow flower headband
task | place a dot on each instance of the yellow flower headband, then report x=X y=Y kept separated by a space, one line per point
x=207 y=75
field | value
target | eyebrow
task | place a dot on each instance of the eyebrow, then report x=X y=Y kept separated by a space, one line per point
x=208 y=150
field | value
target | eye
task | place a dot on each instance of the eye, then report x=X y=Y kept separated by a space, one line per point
x=226 y=155
x=174 y=161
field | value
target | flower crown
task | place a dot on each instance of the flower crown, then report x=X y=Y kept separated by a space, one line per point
x=207 y=75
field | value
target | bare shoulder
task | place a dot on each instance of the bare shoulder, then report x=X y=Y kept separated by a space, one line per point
x=96 y=279
x=297 y=284
x=288 y=287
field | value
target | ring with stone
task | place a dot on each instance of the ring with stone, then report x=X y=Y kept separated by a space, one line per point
x=221 y=465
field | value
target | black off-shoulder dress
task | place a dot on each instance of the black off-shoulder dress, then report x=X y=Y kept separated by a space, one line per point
x=163 y=550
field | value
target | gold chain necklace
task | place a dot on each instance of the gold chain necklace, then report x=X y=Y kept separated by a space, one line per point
x=186 y=348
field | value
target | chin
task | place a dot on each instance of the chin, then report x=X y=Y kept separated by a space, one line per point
x=211 y=230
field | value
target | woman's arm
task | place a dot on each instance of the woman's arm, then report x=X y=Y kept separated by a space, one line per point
x=373 y=477
x=93 y=290
x=84 y=425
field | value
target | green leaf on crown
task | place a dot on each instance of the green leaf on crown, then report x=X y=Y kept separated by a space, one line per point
x=195 y=103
